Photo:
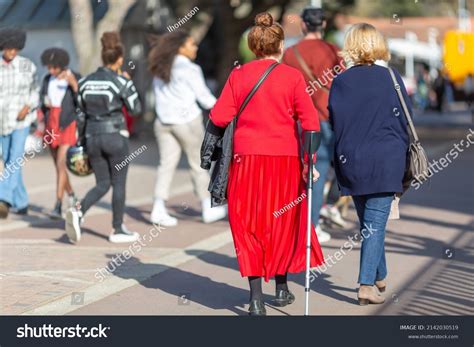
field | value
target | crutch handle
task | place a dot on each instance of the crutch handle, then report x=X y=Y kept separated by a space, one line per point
x=312 y=140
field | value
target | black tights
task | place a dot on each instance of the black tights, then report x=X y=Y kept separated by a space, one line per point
x=107 y=155
x=255 y=283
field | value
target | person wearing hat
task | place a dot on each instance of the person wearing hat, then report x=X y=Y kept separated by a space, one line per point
x=319 y=62
x=18 y=98
x=58 y=97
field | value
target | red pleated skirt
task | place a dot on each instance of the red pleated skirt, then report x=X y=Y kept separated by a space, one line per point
x=54 y=135
x=267 y=213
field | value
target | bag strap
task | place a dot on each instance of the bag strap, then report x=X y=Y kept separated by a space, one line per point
x=404 y=106
x=255 y=88
x=308 y=72
x=333 y=49
x=305 y=67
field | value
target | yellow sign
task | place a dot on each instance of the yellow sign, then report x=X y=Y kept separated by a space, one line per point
x=458 y=55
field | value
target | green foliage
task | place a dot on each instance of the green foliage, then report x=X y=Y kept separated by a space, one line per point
x=404 y=8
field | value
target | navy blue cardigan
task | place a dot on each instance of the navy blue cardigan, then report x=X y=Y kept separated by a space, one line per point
x=370 y=131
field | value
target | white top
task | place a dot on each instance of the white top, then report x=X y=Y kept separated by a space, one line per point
x=177 y=101
x=56 y=91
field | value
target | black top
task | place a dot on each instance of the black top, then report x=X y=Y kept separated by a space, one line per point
x=102 y=95
x=69 y=105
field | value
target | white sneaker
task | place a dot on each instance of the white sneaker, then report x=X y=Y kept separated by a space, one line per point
x=72 y=200
x=160 y=216
x=123 y=235
x=212 y=214
x=73 y=224
x=332 y=214
x=165 y=220
x=324 y=212
x=323 y=236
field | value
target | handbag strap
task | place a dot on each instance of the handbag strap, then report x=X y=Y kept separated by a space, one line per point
x=308 y=72
x=255 y=88
x=404 y=106
x=306 y=68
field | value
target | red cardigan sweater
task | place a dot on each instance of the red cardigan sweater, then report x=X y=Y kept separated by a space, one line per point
x=268 y=125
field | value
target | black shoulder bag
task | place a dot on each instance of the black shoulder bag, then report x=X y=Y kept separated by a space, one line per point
x=218 y=146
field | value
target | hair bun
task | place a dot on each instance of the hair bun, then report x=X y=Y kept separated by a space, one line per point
x=110 y=40
x=264 y=19
x=112 y=48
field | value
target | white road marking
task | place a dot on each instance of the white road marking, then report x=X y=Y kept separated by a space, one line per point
x=47 y=274
x=25 y=242
x=36 y=221
x=114 y=284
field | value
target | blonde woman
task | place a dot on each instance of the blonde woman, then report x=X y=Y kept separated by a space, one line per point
x=371 y=147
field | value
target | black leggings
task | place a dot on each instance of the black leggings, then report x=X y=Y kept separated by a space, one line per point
x=107 y=155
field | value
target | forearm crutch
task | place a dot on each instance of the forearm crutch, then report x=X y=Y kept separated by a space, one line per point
x=312 y=140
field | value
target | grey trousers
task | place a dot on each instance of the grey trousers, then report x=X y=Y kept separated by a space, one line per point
x=172 y=139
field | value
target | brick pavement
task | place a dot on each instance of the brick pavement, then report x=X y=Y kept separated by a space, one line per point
x=191 y=269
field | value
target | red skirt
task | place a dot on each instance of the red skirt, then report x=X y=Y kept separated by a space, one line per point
x=267 y=214
x=55 y=137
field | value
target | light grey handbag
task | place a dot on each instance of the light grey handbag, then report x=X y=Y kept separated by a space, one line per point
x=417 y=167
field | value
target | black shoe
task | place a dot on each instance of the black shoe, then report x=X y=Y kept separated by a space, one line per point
x=56 y=213
x=283 y=298
x=257 y=308
x=4 y=209
x=22 y=211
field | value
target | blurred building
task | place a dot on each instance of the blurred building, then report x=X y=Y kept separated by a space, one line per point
x=47 y=24
x=414 y=42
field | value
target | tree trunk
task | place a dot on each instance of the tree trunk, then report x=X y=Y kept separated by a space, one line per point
x=86 y=40
x=82 y=29
x=232 y=33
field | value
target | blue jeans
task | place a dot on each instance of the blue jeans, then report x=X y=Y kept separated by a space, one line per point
x=373 y=211
x=12 y=188
x=323 y=161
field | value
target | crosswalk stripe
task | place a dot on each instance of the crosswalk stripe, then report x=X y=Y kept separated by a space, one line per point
x=114 y=284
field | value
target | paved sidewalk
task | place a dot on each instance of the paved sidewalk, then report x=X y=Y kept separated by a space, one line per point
x=192 y=270
x=459 y=118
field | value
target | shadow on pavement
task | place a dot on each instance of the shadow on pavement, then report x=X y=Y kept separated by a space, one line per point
x=189 y=287
x=216 y=259
x=324 y=286
x=442 y=287
x=321 y=285
x=415 y=245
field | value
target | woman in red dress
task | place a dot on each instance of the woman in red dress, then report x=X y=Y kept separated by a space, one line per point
x=58 y=103
x=266 y=190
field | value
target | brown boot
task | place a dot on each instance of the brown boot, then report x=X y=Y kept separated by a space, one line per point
x=381 y=285
x=368 y=295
